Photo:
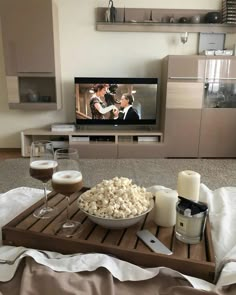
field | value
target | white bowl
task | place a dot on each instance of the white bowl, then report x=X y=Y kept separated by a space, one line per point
x=117 y=223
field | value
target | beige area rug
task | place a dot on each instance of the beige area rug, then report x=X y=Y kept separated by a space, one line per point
x=215 y=173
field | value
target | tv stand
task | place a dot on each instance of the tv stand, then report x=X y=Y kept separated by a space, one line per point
x=100 y=143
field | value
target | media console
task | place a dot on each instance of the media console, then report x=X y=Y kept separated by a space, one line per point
x=196 y=121
x=101 y=143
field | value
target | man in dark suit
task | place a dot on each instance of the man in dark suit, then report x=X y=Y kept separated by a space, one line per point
x=128 y=112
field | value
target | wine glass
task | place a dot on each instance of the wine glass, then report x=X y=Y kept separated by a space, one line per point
x=42 y=165
x=67 y=180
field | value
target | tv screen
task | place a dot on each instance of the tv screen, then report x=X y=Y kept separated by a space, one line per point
x=116 y=101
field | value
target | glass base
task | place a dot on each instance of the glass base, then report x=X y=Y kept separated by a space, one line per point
x=45 y=212
x=69 y=229
x=186 y=239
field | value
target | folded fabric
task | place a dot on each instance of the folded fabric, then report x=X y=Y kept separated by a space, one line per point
x=15 y=201
x=226 y=271
x=10 y=258
x=222 y=215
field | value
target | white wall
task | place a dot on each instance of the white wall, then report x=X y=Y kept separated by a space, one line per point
x=87 y=52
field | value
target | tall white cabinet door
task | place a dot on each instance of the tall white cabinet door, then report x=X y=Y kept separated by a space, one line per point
x=27 y=29
x=184 y=95
x=221 y=68
x=217 y=135
x=186 y=67
x=183 y=118
x=31 y=53
x=181 y=136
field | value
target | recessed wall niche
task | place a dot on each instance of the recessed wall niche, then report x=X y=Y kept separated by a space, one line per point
x=37 y=89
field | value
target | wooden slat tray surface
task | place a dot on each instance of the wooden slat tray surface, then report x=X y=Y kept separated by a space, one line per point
x=26 y=230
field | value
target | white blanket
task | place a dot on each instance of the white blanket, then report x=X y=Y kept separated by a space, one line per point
x=16 y=201
x=222 y=212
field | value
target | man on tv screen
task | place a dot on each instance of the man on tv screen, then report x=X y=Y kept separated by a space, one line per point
x=128 y=112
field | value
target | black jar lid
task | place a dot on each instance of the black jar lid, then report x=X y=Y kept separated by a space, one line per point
x=195 y=207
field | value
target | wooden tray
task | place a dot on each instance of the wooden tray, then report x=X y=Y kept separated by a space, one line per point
x=25 y=230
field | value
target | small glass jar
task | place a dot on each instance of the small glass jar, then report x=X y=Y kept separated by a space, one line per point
x=189 y=227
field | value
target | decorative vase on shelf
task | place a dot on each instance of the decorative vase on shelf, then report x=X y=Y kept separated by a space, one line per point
x=195 y=19
x=113 y=12
x=107 y=15
x=150 y=18
x=183 y=20
x=213 y=17
x=32 y=95
x=110 y=13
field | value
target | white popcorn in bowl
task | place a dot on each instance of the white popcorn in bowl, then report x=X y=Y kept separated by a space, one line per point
x=117 y=198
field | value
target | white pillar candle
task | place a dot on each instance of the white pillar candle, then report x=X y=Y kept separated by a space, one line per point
x=188 y=185
x=165 y=207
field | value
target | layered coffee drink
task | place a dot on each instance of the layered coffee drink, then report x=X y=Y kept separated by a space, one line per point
x=42 y=169
x=67 y=182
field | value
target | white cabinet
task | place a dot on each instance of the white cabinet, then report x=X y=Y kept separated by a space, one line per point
x=184 y=95
x=186 y=67
x=181 y=136
x=183 y=90
x=30 y=45
x=221 y=68
x=28 y=36
x=217 y=136
x=200 y=100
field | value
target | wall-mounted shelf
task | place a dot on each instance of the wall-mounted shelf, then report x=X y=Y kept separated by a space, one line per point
x=138 y=20
x=165 y=27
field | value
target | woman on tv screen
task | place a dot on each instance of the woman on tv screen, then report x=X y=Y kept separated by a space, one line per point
x=97 y=105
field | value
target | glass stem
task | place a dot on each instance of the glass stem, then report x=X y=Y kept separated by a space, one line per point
x=67 y=208
x=45 y=194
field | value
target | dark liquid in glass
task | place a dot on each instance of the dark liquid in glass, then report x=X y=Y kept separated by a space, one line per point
x=41 y=174
x=67 y=188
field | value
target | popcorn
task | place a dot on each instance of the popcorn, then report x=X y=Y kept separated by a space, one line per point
x=116 y=198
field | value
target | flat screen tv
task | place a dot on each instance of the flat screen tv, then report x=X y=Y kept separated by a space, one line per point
x=107 y=101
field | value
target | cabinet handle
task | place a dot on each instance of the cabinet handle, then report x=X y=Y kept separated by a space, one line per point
x=217 y=79
x=186 y=78
x=34 y=72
